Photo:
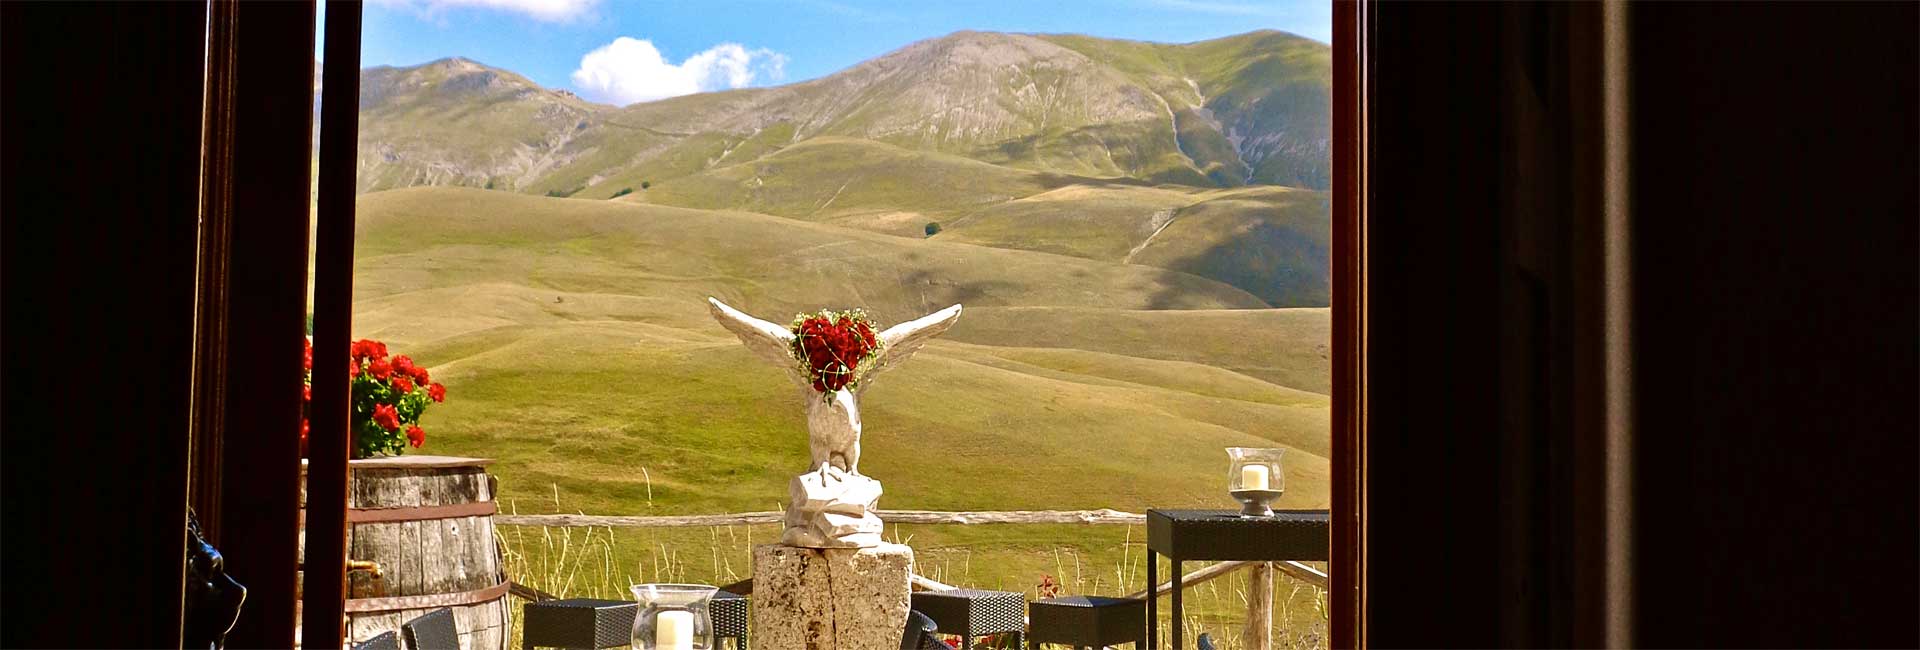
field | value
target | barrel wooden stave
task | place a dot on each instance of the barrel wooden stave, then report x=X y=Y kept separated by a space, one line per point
x=427 y=556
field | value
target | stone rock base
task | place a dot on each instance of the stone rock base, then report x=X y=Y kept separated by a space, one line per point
x=830 y=599
x=830 y=508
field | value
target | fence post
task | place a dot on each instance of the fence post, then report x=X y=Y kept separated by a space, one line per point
x=1259 y=634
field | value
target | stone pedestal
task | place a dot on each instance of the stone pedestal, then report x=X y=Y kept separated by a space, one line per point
x=830 y=508
x=831 y=598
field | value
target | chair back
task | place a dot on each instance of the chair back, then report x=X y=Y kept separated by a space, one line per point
x=432 y=631
x=919 y=633
x=383 y=641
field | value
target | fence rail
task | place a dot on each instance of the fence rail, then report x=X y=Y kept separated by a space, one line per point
x=1259 y=606
x=1092 y=517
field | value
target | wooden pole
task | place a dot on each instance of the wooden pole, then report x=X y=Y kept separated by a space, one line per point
x=1193 y=579
x=1260 y=607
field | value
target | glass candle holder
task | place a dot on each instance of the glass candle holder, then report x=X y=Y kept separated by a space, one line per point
x=673 y=617
x=1254 y=479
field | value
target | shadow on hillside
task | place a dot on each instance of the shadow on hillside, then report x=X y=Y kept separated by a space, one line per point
x=1284 y=267
x=936 y=292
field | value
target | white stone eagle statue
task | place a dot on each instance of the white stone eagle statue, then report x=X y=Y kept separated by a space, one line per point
x=832 y=504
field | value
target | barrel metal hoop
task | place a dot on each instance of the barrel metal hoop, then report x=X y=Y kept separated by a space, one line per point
x=426 y=601
x=420 y=513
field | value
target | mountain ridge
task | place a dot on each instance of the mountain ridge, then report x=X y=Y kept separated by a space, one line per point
x=1221 y=112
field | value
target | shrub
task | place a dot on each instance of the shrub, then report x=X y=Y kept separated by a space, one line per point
x=623 y=192
x=933 y=228
x=646 y=184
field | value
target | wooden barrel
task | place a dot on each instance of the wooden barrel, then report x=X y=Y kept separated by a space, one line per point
x=428 y=522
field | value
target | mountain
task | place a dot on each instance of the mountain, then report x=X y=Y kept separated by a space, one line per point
x=456 y=122
x=1247 y=109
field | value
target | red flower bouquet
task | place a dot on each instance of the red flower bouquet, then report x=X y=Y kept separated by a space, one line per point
x=389 y=396
x=831 y=346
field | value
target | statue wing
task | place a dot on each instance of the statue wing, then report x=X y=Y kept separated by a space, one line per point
x=901 y=341
x=768 y=341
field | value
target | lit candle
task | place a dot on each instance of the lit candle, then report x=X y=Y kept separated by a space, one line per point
x=1253 y=477
x=673 y=630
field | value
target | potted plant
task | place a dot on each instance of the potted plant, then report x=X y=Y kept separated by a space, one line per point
x=388 y=397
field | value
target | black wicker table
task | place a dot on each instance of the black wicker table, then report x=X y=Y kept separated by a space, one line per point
x=971 y=613
x=597 y=623
x=1222 y=535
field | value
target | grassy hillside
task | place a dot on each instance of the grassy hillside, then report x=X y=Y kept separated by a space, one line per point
x=1269 y=241
x=578 y=354
x=573 y=333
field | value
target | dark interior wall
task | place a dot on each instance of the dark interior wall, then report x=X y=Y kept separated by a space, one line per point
x=1774 y=173
x=1773 y=340
x=102 y=141
x=1435 y=262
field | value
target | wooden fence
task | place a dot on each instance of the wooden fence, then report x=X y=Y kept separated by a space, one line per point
x=1260 y=576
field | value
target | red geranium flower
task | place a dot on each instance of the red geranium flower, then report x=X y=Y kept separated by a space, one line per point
x=420 y=376
x=437 y=393
x=416 y=436
x=306 y=393
x=353 y=370
x=380 y=369
x=309 y=361
x=385 y=416
x=403 y=364
x=369 y=349
x=403 y=385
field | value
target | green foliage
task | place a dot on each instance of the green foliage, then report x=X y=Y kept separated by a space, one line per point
x=623 y=192
x=561 y=194
x=646 y=184
x=309 y=323
x=933 y=228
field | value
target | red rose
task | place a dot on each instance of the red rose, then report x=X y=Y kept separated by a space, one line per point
x=403 y=385
x=437 y=392
x=380 y=369
x=386 y=417
x=415 y=436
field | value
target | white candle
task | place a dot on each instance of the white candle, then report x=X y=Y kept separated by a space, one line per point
x=673 y=630
x=1253 y=477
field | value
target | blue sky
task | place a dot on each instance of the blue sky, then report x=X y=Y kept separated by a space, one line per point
x=620 y=51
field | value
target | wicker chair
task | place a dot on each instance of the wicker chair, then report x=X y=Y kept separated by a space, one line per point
x=432 y=631
x=919 y=634
x=382 y=641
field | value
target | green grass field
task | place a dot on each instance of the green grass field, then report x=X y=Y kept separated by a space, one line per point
x=578 y=354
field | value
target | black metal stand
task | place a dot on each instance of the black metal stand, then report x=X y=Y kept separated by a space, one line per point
x=1222 y=535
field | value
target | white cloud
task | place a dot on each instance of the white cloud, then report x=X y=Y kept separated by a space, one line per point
x=631 y=70
x=552 y=11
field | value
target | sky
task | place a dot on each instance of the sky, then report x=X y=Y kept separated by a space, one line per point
x=626 y=51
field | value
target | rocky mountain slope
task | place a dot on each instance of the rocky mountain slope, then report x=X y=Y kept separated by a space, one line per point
x=1247 y=109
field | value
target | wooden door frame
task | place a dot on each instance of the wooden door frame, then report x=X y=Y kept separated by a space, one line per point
x=1349 y=548
x=326 y=523
x=250 y=302
x=324 y=599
